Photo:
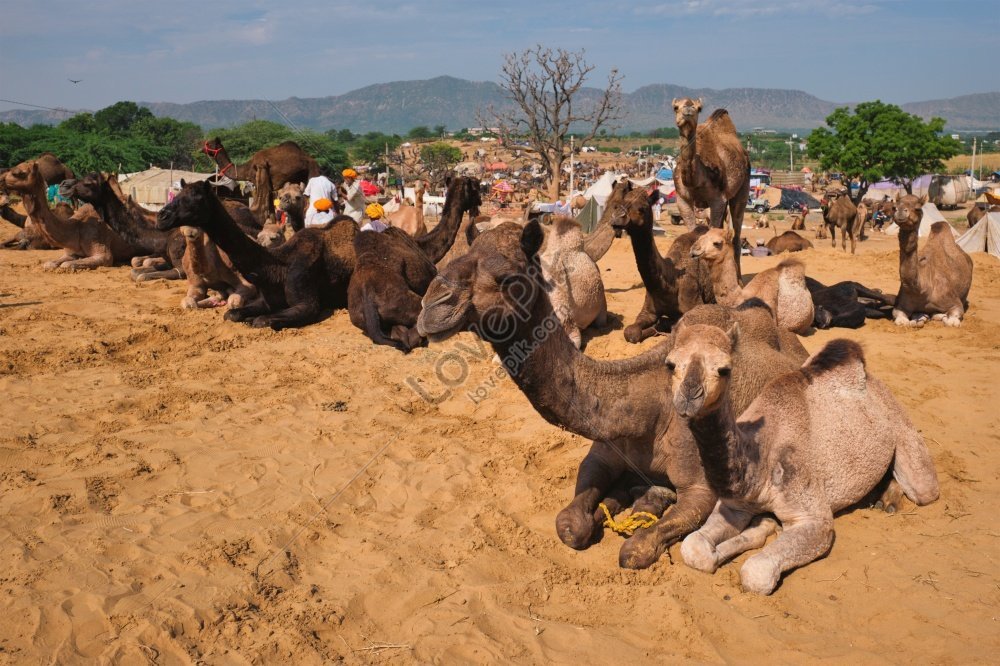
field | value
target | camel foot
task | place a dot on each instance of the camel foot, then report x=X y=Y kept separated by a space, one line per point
x=189 y=303
x=652 y=499
x=952 y=321
x=235 y=314
x=234 y=301
x=139 y=275
x=51 y=265
x=575 y=528
x=699 y=553
x=260 y=322
x=760 y=574
x=891 y=498
x=633 y=333
x=641 y=551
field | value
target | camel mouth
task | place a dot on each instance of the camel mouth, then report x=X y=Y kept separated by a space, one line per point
x=436 y=335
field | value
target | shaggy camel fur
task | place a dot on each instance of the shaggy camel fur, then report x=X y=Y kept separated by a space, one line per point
x=675 y=283
x=713 y=168
x=289 y=163
x=208 y=268
x=847 y=304
x=88 y=241
x=814 y=441
x=498 y=292
x=838 y=211
x=572 y=279
x=410 y=218
x=782 y=288
x=292 y=200
x=788 y=242
x=934 y=282
x=394 y=269
x=296 y=281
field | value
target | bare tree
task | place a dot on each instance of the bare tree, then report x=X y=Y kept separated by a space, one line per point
x=543 y=86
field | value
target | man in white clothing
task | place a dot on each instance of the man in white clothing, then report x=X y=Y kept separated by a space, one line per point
x=354 y=197
x=319 y=187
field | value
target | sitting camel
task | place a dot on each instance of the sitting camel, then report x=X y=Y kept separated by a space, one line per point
x=572 y=279
x=30 y=237
x=847 y=304
x=934 y=282
x=782 y=288
x=814 y=441
x=838 y=211
x=497 y=291
x=208 y=268
x=788 y=242
x=88 y=241
x=797 y=221
x=272 y=235
x=410 y=218
x=976 y=213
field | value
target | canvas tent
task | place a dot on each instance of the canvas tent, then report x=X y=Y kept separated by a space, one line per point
x=589 y=216
x=150 y=187
x=601 y=189
x=984 y=237
x=931 y=215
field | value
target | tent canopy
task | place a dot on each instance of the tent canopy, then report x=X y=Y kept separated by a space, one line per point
x=984 y=237
x=601 y=189
x=931 y=215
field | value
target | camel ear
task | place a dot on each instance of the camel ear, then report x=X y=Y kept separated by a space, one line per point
x=922 y=200
x=674 y=103
x=182 y=183
x=734 y=334
x=654 y=196
x=728 y=232
x=700 y=103
x=531 y=239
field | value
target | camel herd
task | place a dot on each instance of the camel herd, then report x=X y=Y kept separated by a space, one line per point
x=727 y=409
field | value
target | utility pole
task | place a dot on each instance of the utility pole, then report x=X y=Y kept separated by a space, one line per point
x=570 y=166
x=972 y=166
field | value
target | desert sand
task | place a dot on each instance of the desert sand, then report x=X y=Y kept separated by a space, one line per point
x=179 y=489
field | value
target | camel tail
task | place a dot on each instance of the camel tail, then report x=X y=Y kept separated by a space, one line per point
x=373 y=325
x=845 y=357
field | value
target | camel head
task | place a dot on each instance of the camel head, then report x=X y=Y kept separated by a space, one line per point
x=212 y=147
x=700 y=365
x=271 y=235
x=465 y=190
x=192 y=206
x=192 y=234
x=633 y=211
x=909 y=212
x=88 y=189
x=291 y=197
x=686 y=111
x=487 y=290
x=25 y=177
x=714 y=244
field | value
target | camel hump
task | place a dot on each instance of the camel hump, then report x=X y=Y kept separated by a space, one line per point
x=842 y=360
x=722 y=121
x=940 y=228
x=717 y=114
x=752 y=304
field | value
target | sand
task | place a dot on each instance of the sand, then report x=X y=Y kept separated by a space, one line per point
x=176 y=489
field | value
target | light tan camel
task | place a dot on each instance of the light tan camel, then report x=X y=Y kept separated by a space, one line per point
x=572 y=279
x=88 y=241
x=207 y=267
x=788 y=242
x=292 y=200
x=797 y=221
x=410 y=218
x=782 y=288
x=814 y=441
x=713 y=168
x=839 y=211
x=934 y=283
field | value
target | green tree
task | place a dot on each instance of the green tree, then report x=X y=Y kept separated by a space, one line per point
x=881 y=141
x=438 y=159
x=420 y=132
x=81 y=122
x=440 y=130
x=120 y=117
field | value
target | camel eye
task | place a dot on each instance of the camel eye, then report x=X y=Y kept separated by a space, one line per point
x=671 y=366
x=724 y=371
x=718 y=244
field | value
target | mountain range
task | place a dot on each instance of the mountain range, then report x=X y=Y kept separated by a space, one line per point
x=402 y=105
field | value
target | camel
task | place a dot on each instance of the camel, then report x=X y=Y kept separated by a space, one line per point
x=713 y=168
x=821 y=233
x=782 y=288
x=30 y=237
x=847 y=304
x=262 y=206
x=289 y=163
x=467 y=233
x=88 y=241
x=863 y=217
x=815 y=440
x=272 y=235
x=498 y=292
x=934 y=282
x=208 y=268
x=410 y=218
x=393 y=270
x=292 y=200
x=788 y=242
x=761 y=221
x=572 y=279
x=838 y=211
x=53 y=171
x=296 y=281
x=797 y=221
x=674 y=284
x=976 y=213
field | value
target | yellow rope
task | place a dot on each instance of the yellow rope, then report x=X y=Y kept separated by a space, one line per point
x=630 y=523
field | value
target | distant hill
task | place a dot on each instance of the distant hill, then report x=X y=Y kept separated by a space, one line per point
x=402 y=105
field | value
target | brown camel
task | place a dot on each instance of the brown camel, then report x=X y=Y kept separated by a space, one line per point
x=52 y=170
x=410 y=218
x=88 y=241
x=296 y=281
x=977 y=213
x=498 y=292
x=272 y=235
x=798 y=222
x=467 y=232
x=393 y=270
x=292 y=200
x=934 y=283
x=30 y=237
x=839 y=211
x=815 y=440
x=788 y=242
x=782 y=288
x=674 y=284
x=713 y=168
x=289 y=163
x=206 y=267
x=262 y=206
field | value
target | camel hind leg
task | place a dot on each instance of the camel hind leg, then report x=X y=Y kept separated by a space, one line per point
x=800 y=543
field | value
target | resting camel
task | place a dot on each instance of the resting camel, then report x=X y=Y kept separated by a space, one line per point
x=713 y=168
x=814 y=441
x=30 y=237
x=88 y=241
x=977 y=213
x=207 y=268
x=838 y=211
x=788 y=242
x=292 y=200
x=410 y=218
x=782 y=288
x=934 y=283
x=798 y=222
x=467 y=232
x=675 y=283
x=296 y=281
x=497 y=291
x=393 y=270
x=53 y=170
x=289 y=163
x=847 y=304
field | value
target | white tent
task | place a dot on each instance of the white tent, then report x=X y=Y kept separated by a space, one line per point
x=984 y=237
x=601 y=189
x=150 y=187
x=931 y=215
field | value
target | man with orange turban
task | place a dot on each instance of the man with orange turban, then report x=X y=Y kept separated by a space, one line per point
x=375 y=214
x=354 y=197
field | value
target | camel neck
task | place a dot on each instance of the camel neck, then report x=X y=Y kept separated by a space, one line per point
x=62 y=232
x=653 y=269
x=725 y=453
x=908 y=260
x=688 y=152
x=725 y=281
x=120 y=218
x=435 y=244
x=9 y=214
x=246 y=255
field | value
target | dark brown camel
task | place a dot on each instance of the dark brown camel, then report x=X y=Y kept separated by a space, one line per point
x=675 y=283
x=394 y=269
x=839 y=211
x=289 y=163
x=497 y=291
x=788 y=242
x=297 y=280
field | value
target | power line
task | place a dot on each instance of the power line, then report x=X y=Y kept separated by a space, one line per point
x=37 y=106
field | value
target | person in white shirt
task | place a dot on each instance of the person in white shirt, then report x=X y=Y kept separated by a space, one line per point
x=319 y=187
x=322 y=214
x=376 y=218
x=354 y=198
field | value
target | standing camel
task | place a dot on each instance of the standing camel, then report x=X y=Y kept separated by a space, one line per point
x=839 y=211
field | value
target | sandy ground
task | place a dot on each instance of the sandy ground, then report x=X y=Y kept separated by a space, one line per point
x=178 y=489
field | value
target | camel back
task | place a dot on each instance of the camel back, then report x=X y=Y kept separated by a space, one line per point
x=717 y=137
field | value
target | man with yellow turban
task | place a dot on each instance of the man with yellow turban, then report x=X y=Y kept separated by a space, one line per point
x=354 y=197
x=376 y=218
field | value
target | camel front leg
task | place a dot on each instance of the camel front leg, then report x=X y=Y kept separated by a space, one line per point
x=581 y=520
x=56 y=263
x=195 y=294
x=699 y=549
x=800 y=543
x=833 y=235
x=901 y=318
x=644 y=548
x=687 y=213
x=644 y=325
x=101 y=258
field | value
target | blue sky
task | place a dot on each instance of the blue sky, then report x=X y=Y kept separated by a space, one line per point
x=182 y=51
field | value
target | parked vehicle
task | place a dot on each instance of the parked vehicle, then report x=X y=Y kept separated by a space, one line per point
x=758 y=205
